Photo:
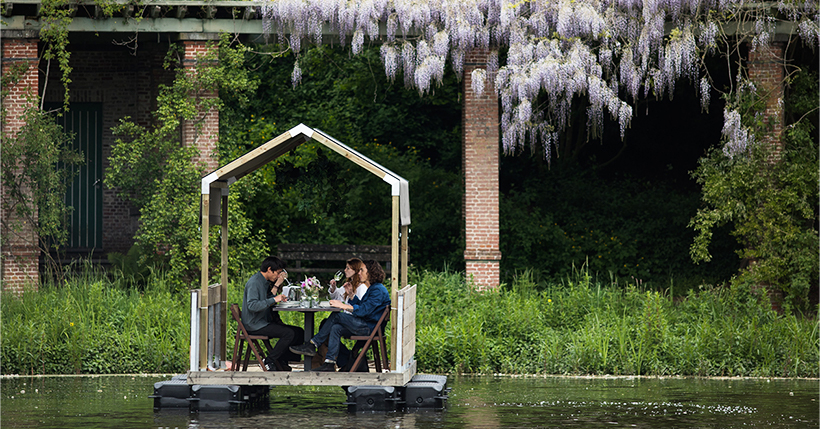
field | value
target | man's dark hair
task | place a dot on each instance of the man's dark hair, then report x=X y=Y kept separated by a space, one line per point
x=272 y=262
x=375 y=273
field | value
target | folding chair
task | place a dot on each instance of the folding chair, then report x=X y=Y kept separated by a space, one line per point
x=364 y=342
x=241 y=337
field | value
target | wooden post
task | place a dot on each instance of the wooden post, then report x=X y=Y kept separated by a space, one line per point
x=223 y=314
x=404 y=230
x=203 y=297
x=394 y=280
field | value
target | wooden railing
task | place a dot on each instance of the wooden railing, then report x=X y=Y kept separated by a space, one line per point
x=406 y=328
x=208 y=327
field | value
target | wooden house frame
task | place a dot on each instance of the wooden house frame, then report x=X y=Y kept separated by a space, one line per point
x=209 y=304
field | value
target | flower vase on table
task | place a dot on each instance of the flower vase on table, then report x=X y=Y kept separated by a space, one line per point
x=310 y=292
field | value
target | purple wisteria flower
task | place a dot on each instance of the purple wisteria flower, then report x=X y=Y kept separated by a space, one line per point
x=611 y=52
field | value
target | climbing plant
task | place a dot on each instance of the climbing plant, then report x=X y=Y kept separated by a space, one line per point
x=35 y=168
x=769 y=198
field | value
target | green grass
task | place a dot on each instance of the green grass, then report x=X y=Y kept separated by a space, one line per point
x=92 y=324
x=584 y=327
x=89 y=324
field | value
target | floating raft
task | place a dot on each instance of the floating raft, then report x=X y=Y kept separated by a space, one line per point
x=423 y=392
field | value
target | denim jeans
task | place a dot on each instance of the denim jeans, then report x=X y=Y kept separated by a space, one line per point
x=339 y=325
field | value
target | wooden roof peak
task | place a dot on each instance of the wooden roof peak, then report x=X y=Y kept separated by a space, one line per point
x=261 y=155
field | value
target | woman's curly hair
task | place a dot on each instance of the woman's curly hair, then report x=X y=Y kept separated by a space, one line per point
x=374 y=271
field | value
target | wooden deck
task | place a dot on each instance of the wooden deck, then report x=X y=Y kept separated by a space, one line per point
x=256 y=377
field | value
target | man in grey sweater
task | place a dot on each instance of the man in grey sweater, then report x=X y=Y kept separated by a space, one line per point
x=262 y=293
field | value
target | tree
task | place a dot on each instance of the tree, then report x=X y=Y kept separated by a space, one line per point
x=313 y=195
x=153 y=169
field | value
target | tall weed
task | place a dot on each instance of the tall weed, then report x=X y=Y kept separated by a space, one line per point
x=88 y=324
x=91 y=324
x=582 y=326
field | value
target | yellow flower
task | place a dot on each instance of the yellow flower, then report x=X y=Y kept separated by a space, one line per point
x=549 y=300
x=72 y=323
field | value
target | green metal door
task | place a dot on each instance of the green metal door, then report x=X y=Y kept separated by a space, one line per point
x=84 y=193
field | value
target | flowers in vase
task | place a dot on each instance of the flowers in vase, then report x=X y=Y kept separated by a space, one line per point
x=311 y=287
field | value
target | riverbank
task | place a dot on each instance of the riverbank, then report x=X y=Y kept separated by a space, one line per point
x=93 y=325
x=516 y=376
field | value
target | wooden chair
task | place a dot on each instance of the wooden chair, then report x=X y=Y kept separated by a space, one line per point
x=241 y=337
x=364 y=342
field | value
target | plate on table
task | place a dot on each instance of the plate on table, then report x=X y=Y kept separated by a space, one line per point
x=288 y=304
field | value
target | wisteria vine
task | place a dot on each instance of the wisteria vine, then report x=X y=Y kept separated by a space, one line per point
x=609 y=51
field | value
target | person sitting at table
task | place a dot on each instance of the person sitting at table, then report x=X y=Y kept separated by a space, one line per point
x=261 y=293
x=375 y=273
x=364 y=314
x=352 y=273
x=346 y=292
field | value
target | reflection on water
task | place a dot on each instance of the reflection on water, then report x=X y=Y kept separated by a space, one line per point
x=485 y=402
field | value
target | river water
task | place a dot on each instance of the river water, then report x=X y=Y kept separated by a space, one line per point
x=476 y=401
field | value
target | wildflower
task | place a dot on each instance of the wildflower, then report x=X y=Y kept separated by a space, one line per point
x=549 y=301
x=72 y=323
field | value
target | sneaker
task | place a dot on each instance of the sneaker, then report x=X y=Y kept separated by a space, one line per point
x=282 y=367
x=326 y=367
x=307 y=349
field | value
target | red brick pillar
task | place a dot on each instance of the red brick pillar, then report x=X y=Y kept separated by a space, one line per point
x=480 y=156
x=20 y=254
x=203 y=131
x=767 y=72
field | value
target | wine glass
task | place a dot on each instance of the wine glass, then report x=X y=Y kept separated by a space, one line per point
x=338 y=276
x=287 y=279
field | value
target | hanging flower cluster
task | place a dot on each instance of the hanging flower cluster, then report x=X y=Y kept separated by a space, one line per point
x=739 y=140
x=607 y=51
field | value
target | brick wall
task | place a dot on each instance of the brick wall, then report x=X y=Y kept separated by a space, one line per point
x=126 y=84
x=480 y=154
x=766 y=70
x=202 y=132
x=20 y=255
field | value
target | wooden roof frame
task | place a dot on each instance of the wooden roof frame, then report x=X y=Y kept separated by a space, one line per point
x=215 y=212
